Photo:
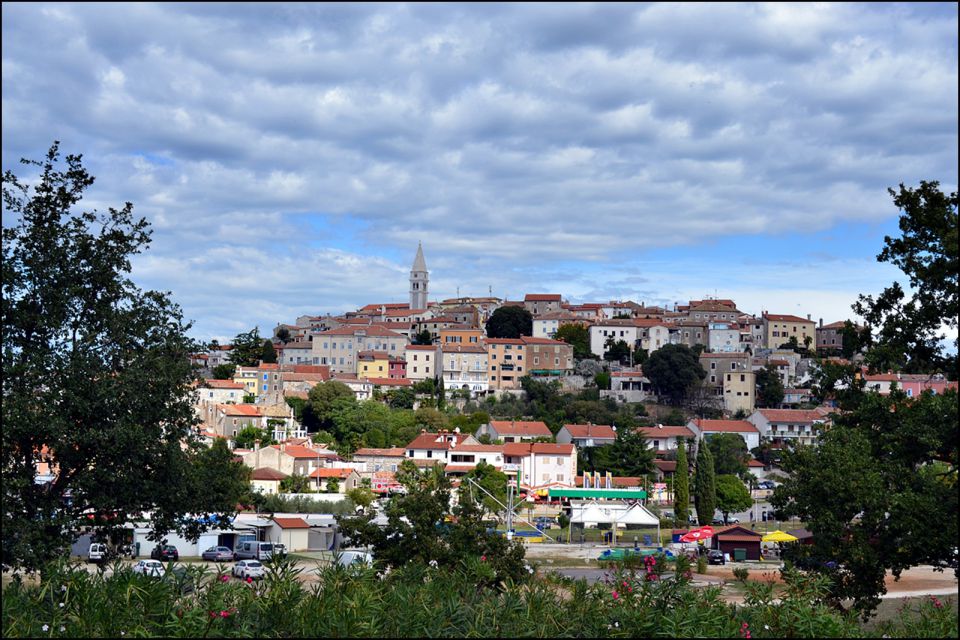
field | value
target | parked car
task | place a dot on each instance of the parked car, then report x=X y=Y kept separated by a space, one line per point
x=351 y=557
x=249 y=569
x=97 y=552
x=716 y=557
x=253 y=550
x=279 y=550
x=218 y=554
x=152 y=568
x=165 y=552
x=767 y=484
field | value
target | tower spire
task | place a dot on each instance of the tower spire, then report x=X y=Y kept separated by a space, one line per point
x=419 y=280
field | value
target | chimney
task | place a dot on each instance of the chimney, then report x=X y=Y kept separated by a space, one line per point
x=808 y=316
x=821 y=323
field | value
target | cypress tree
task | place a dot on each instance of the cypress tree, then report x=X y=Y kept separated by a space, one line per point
x=705 y=486
x=681 y=487
x=268 y=353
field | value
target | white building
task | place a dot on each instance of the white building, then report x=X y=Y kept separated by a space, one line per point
x=704 y=429
x=423 y=361
x=541 y=464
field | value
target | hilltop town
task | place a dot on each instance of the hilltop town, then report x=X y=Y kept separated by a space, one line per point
x=758 y=382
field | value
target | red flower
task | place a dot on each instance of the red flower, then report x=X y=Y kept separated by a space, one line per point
x=483 y=558
x=249 y=579
x=615 y=595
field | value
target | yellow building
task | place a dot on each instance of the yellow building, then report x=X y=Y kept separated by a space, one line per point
x=778 y=329
x=739 y=390
x=373 y=364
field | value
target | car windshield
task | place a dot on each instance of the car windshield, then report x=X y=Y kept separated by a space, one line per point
x=266 y=547
x=254 y=564
x=153 y=563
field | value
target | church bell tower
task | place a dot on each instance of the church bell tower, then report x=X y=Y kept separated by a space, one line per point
x=419 y=279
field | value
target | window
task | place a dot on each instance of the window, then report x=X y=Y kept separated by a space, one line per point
x=713 y=378
x=713 y=365
x=266 y=376
x=743 y=378
x=265 y=387
x=429 y=454
x=733 y=366
x=414 y=369
x=426 y=369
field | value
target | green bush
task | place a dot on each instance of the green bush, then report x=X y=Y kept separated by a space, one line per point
x=421 y=600
x=741 y=574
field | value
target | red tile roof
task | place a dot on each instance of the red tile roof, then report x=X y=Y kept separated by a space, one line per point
x=326 y=472
x=421 y=347
x=542 y=297
x=436 y=440
x=777 y=317
x=542 y=341
x=590 y=431
x=523 y=449
x=791 y=415
x=513 y=428
x=240 y=410
x=727 y=426
x=371 y=330
x=299 y=452
x=666 y=466
x=291 y=523
x=395 y=452
x=390 y=382
x=265 y=473
x=504 y=341
x=666 y=431
x=222 y=384
x=481 y=448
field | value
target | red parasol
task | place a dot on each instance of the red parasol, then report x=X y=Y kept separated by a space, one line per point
x=697 y=534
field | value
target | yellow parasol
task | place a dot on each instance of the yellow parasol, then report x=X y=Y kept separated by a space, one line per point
x=779 y=536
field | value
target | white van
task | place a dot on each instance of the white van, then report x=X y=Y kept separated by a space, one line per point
x=351 y=557
x=253 y=550
x=97 y=552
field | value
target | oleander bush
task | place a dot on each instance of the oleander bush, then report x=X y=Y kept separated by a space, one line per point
x=423 y=600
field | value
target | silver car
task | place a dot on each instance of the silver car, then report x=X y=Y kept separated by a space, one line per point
x=218 y=554
x=249 y=569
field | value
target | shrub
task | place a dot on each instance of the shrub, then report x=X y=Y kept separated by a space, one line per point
x=741 y=573
x=701 y=564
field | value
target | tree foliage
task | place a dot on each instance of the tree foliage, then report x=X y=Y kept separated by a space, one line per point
x=879 y=490
x=224 y=371
x=732 y=495
x=493 y=482
x=681 y=486
x=770 y=391
x=248 y=436
x=730 y=455
x=704 y=486
x=616 y=350
x=628 y=456
x=577 y=336
x=909 y=329
x=96 y=376
x=673 y=369
x=247 y=349
x=510 y=322
x=422 y=338
x=268 y=354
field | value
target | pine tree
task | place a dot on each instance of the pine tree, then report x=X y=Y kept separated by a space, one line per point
x=268 y=354
x=705 y=486
x=681 y=487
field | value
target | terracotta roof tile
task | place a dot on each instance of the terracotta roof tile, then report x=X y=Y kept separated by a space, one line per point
x=727 y=426
x=291 y=523
x=590 y=431
x=511 y=428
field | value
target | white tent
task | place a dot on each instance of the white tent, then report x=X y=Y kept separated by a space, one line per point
x=618 y=513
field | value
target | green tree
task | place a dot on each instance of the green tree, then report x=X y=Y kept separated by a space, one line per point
x=247 y=349
x=854 y=339
x=283 y=335
x=732 y=495
x=629 y=455
x=909 y=330
x=333 y=486
x=492 y=481
x=267 y=353
x=879 y=491
x=224 y=371
x=96 y=378
x=577 y=336
x=363 y=497
x=681 y=487
x=423 y=338
x=616 y=350
x=295 y=483
x=247 y=436
x=673 y=369
x=602 y=380
x=730 y=455
x=402 y=398
x=510 y=322
x=770 y=390
x=704 y=486
x=325 y=397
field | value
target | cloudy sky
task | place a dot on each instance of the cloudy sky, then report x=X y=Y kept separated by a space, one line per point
x=290 y=157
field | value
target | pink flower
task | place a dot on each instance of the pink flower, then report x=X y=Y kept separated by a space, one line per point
x=224 y=614
x=936 y=603
x=483 y=558
x=624 y=583
x=629 y=589
x=213 y=614
x=249 y=579
x=224 y=578
x=615 y=595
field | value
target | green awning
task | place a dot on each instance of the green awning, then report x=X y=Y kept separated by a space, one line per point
x=616 y=494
